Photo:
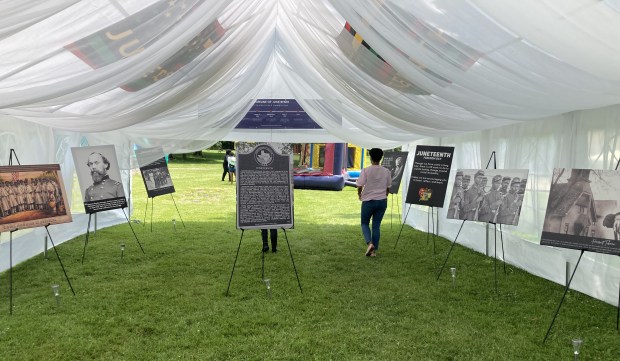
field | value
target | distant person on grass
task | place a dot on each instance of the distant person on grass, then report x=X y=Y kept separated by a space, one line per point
x=273 y=234
x=232 y=160
x=225 y=164
x=373 y=187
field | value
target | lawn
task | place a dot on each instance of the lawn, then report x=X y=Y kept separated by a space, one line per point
x=170 y=303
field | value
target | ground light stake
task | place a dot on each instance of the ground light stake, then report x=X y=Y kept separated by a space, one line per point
x=174 y=223
x=268 y=284
x=122 y=250
x=56 y=290
x=576 y=346
x=453 y=273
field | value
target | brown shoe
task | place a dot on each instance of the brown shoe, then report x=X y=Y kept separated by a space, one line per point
x=370 y=249
x=373 y=254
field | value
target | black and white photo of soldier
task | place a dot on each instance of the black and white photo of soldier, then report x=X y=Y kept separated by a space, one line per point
x=157 y=178
x=484 y=202
x=30 y=195
x=99 y=178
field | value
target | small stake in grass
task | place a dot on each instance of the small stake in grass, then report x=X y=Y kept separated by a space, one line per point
x=268 y=284
x=576 y=346
x=174 y=223
x=453 y=273
x=56 y=290
x=122 y=250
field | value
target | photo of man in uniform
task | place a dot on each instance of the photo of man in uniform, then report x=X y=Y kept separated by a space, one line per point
x=103 y=186
x=100 y=179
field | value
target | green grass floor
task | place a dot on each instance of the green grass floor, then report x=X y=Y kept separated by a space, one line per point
x=170 y=304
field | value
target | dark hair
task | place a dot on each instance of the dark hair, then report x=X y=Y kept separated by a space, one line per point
x=104 y=159
x=376 y=154
x=228 y=151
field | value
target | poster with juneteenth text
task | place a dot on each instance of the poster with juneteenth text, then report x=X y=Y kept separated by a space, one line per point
x=429 y=175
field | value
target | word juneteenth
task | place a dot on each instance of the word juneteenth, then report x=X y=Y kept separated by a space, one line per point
x=434 y=154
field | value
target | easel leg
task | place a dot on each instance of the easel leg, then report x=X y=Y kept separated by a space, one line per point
x=398 y=209
x=428 y=226
x=450 y=251
x=391 y=209
x=152 y=206
x=235 y=263
x=132 y=231
x=145 y=209
x=87 y=234
x=59 y=260
x=401 y=227
x=501 y=236
x=495 y=250
x=11 y=272
x=179 y=213
x=291 y=253
x=618 y=314
x=563 y=296
x=433 y=221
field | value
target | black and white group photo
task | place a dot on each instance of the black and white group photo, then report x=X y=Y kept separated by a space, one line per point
x=488 y=195
x=157 y=178
x=31 y=196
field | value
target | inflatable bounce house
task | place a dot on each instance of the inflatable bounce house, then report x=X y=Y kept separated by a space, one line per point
x=328 y=166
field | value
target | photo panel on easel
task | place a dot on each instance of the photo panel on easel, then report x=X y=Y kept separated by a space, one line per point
x=264 y=186
x=488 y=195
x=429 y=175
x=99 y=177
x=32 y=196
x=395 y=162
x=154 y=170
x=583 y=211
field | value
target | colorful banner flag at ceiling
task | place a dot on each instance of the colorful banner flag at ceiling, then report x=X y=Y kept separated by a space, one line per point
x=132 y=35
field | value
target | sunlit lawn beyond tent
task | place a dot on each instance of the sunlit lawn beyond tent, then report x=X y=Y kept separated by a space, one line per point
x=170 y=303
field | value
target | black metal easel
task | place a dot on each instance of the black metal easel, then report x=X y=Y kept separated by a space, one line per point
x=401 y=227
x=563 y=296
x=12 y=153
x=263 y=262
x=495 y=230
x=392 y=207
x=152 y=207
x=88 y=232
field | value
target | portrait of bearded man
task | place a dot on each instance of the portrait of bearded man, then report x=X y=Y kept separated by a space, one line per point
x=103 y=186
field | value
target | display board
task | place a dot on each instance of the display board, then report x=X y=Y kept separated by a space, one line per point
x=99 y=178
x=583 y=211
x=264 y=188
x=395 y=162
x=32 y=196
x=429 y=175
x=277 y=114
x=154 y=170
x=488 y=195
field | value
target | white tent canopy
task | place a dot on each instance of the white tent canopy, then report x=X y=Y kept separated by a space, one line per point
x=533 y=77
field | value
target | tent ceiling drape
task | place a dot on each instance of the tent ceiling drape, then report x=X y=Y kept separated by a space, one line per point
x=183 y=73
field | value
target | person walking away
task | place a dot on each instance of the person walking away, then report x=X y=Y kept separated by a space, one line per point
x=373 y=187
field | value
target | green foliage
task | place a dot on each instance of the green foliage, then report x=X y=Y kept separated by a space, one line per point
x=169 y=303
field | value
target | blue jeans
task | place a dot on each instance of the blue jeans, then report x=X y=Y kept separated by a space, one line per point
x=374 y=209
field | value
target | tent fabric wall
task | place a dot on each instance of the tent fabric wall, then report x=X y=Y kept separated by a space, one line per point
x=525 y=79
x=582 y=139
